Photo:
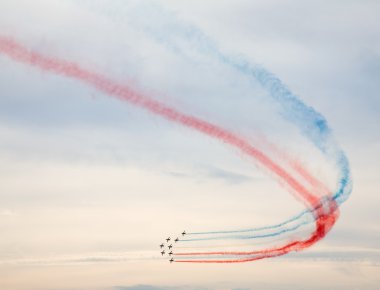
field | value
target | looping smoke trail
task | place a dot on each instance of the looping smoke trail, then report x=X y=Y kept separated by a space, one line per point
x=175 y=34
x=324 y=209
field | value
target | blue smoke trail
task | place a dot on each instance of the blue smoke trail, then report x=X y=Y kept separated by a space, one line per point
x=241 y=237
x=257 y=229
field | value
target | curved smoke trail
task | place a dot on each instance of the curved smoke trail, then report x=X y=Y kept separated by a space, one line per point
x=323 y=210
x=325 y=217
x=175 y=35
x=168 y=30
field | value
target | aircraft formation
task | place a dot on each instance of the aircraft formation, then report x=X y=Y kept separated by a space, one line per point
x=166 y=248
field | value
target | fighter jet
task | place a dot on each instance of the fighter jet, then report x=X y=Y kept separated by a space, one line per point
x=170 y=253
x=161 y=246
x=170 y=246
x=176 y=240
x=184 y=233
x=167 y=240
x=171 y=260
x=163 y=252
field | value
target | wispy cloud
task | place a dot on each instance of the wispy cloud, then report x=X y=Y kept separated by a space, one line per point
x=207 y=172
x=150 y=287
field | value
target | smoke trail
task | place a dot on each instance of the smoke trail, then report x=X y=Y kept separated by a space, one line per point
x=174 y=34
x=324 y=223
x=171 y=32
x=20 y=53
x=324 y=219
x=244 y=237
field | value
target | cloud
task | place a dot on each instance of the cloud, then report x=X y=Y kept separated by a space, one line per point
x=7 y=212
x=141 y=287
x=207 y=172
x=228 y=176
x=150 y=287
x=347 y=256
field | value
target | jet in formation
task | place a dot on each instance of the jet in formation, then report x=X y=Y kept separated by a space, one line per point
x=169 y=246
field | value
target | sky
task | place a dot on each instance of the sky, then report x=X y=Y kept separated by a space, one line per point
x=90 y=185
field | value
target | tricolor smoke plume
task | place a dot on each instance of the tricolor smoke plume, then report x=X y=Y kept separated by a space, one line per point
x=321 y=204
x=179 y=37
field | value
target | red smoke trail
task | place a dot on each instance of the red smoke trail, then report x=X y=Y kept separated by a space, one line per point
x=20 y=53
